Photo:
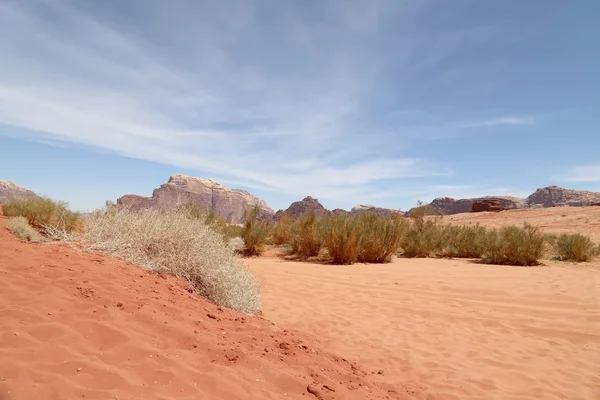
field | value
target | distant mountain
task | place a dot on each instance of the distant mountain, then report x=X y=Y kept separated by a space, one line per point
x=210 y=195
x=10 y=191
x=551 y=196
x=309 y=204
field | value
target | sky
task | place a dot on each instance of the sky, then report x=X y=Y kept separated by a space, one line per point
x=381 y=102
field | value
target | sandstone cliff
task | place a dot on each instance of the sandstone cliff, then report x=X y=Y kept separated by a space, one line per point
x=551 y=196
x=227 y=203
x=11 y=191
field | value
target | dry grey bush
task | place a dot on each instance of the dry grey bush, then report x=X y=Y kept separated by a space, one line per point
x=20 y=227
x=175 y=243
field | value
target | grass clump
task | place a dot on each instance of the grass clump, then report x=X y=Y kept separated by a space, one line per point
x=342 y=237
x=380 y=238
x=282 y=231
x=464 y=241
x=20 y=227
x=44 y=213
x=306 y=238
x=255 y=233
x=575 y=247
x=426 y=235
x=512 y=245
x=172 y=242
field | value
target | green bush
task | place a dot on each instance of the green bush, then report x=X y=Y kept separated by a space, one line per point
x=575 y=247
x=21 y=229
x=282 y=231
x=342 y=237
x=194 y=211
x=380 y=237
x=44 y=213
x=464 y=241
x=306 y=238
x=426 y=235
x=255 y=233
x=512 y=245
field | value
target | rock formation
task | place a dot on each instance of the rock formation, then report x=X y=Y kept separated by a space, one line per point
x=557 y=196
x=487 y=205
x=299 y=208
x=227 y=203
x=308 y=204
x=11 y=191
x=551 y=196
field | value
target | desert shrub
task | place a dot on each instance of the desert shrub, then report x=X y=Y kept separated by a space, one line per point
x=464 y=241
x=379 y=237
x=426 y=235
x=575 y=247
x=512 y=245
x=282 y=231
x=194 y=211
x=255 y=233
x=306 y=237
x=172 y=242
x=236 y=243
x=20 y=227
x=43 y=213
x=341 y=235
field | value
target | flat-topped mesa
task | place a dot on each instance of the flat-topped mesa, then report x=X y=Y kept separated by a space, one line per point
x=10 y=191
x=208 y=194
x=379 y=211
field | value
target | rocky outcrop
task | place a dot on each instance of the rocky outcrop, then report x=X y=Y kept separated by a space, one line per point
x=299 y=208
x=381 y=212
x=10 y=191
x=551 y=196
x=487 y=205
x=449 y=206
x=557 y=196
x=210 y=195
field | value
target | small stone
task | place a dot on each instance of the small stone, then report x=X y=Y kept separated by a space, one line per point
x=78 y=369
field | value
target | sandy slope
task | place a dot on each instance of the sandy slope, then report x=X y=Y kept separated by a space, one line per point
x=585 y=220
x=85 y=326
x=451 y=327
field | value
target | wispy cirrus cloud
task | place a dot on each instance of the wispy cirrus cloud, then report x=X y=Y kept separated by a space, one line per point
x=580 y=173
x=278 y=103
x=508 y=120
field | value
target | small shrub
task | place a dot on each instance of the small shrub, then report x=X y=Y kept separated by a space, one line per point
x=464 y=241
x=380 y=237
x=236 y=243
x=172 y=242
x=282 y=231
x=575 y=247
x=43 y=213
x=426 y=236
x=512 y=245
x=341 y=237
x=255 y=233
x=306 y=238
x=21 y=229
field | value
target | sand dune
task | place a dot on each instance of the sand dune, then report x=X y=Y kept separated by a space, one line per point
x=453 y=328
x=86 y=326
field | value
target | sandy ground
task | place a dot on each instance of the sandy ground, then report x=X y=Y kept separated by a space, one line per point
x=78 y=326
x=453 y=328
x=585 y=220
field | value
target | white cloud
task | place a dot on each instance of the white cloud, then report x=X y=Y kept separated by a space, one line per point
x=215 y=90
x=508 y=120
x=581 y=173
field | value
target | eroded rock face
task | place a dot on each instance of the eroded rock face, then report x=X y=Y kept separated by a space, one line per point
x=210 y=195
x=381 y=212
x=486 y=205
x=551 y=196
x=10 y=191
x=557 y=196
x=299 y=208
x=449 y=206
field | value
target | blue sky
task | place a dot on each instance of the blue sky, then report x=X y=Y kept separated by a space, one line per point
x=379 y=102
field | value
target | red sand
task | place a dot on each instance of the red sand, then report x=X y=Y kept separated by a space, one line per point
x=87 y=326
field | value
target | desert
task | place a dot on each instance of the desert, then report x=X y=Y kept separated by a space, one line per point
x=81 y=320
